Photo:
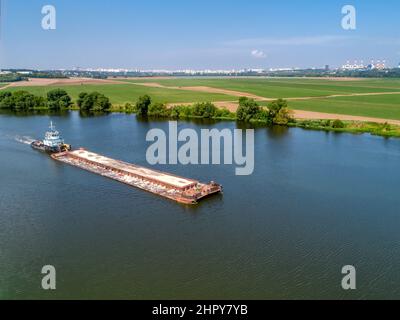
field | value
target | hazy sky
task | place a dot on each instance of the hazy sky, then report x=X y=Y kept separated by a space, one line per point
x=197 y=34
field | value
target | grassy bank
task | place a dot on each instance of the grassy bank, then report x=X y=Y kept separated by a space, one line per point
x=355 y=127
x=261 y=117
x=122 y=99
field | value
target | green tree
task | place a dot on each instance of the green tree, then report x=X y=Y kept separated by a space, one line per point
x=283 y=117
x=224 y=113
x=338 y=124
x=129 y=108
x=94 y=101
x=204 y=110
x=23 y=100
x=6 y=101
x=275 y=106
x=175 y=112
x=279 y=113
x=248 y=109
x=58 y=99
x=20 y=101
x=159 y=110
x=100 y=102
x=81 y=99
x=142 y=105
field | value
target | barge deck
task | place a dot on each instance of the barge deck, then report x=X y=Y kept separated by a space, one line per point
x=169 y=186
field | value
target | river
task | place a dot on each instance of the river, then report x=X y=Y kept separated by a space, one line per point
x=316 y=202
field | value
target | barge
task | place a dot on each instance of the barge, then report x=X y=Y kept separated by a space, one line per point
x=169 y=186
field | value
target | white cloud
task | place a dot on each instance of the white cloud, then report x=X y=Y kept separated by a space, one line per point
x=258 y=54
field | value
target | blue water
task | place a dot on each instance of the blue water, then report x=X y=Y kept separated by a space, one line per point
x=317 y=201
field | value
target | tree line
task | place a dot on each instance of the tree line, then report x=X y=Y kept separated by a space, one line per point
x=55 y=100
x=277 y=112
x=11 y=77
x=145 y=107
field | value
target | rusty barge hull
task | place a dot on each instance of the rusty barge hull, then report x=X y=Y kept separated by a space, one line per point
x=169 y=186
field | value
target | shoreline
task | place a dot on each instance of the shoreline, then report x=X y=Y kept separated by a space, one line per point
x=376 y=128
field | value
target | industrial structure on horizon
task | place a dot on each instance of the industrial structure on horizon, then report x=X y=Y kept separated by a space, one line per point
x=377 y=66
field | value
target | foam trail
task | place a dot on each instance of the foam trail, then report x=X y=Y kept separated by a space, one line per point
x=24 y=139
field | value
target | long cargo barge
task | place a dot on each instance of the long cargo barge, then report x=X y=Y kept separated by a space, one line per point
x=169 y=186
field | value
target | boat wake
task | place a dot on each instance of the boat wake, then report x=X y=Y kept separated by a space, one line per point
x=24 y=139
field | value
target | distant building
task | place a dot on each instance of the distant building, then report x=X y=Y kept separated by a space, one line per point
x=327 y=67
x=380 y=65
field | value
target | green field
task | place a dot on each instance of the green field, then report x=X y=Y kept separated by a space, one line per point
x=123 y=93
x=286 y=88
x=380 y=106
x=383 y=106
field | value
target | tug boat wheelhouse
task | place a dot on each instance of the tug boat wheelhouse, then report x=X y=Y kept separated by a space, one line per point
x=52 y=143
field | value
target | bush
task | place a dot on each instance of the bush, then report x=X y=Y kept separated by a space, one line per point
x=204 y=110
x=130 y=108
x=6 y=100
x=142 y=105
x=326 y=123
x=279 y=113
x=159 y=110
x=248 y=109
x=283 y=117
x=58 y=99
x=224 y=113
x=21 y=100
x=276 y=106
x=93 y=102
x=338 y=124
x=182 y=112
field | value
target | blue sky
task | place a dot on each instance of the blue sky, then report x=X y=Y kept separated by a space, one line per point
x=177 y=34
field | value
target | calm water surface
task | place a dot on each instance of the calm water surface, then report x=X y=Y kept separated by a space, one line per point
x=316 y=202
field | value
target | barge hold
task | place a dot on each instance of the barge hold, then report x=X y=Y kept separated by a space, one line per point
x=176 y=188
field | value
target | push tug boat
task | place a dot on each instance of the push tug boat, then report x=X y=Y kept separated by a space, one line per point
x=52 y=143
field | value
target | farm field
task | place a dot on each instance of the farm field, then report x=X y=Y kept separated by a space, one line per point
x=123 y=93
x=377 y=98
x=274 y=88
x=383 y=106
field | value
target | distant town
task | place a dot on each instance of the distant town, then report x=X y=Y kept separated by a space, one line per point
x=358 y=68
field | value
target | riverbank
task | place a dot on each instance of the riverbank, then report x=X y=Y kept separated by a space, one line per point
x=334 y=124
x=386 y=130
x=249 y=111
x=355 y=127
